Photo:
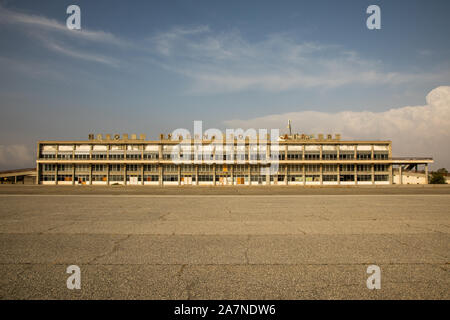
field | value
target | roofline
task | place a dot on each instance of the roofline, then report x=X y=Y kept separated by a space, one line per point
x=192 y=141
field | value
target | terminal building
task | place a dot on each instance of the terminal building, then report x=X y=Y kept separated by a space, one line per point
x=300 y=160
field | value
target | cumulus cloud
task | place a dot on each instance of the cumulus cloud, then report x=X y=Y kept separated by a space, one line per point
x=15 y=156
x=414 y=130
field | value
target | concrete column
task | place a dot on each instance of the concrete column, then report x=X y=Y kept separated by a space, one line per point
x=196 y=174
x=160 y=152
x=426 y=173
x=338 y=171
x=303 y=168
x=285 y=152
x=179 y=174
x=249 y=174
x=73 y=173
x=355 y=171
x=38 y=166
x=372 y=153
x=214 y=173
x=321 y=152
x=90 y=173
x=400 y=170
x=303 y=153
x=232 y=174
x=286 y=174
x=56 y=173
x=268 y=175
x=107 y=174
x=373 y=172
x=15 y=179
x=160 y=173
x=125 y=173
x=38 y=173
x=142 y=172
x=321 y=168
x=391 y=175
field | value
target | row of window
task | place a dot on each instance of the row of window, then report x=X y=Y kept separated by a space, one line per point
x=210 y=168
x=174 y=178
x=238 y=156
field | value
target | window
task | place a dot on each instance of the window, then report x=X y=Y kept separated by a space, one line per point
x=99 y=167
x=380 y=167
x=151 y=155
x=312 y=178
x=115 y=167
x=345 y=155
x=312 y=156
x=347 y=177
x=64 y=177
x=150 y=167
x=207 y=178
x=48 y=167
x=295 y=168
x=48 y=177
x=329 y=167
x=294 y=155
x=381 y=177
x=134 y=156
x=364 y=167
x=330 y=177
x=364 y=177
x=170 y=168
x=347 y=167
x=170 y=177
x=329 y=156
x=312 y=167
x=65 y=155
x=98 y=177
x=98 y=156
x=133 y=167
x=381 y=155
x=81 y=156
x=48 y=156
x=151 y=177
x=116 y=156
x=116 y=177
x=64 y=167
x=364 y=155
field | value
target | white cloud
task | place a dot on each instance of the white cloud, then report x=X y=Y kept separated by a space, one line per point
x=226 y=62
x=41 y=23
x=15 y=156
x=414 y=130
x=81 y=55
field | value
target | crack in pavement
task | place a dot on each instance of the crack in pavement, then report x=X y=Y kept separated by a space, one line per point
x=115 y=247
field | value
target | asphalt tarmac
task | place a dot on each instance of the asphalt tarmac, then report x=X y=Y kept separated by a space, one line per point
x=224 y=243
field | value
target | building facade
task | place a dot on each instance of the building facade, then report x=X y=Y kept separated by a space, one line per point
x=290 y=160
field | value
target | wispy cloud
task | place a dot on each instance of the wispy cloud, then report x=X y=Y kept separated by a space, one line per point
x=414 y=130
x=226 y=62
x=41 y=23
x=81 y=55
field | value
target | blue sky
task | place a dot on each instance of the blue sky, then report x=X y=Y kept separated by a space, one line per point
x=154 y=66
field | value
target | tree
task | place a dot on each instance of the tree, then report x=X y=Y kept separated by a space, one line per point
x=438 y=177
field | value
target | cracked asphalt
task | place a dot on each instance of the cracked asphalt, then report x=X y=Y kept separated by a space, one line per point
x=224 y=243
